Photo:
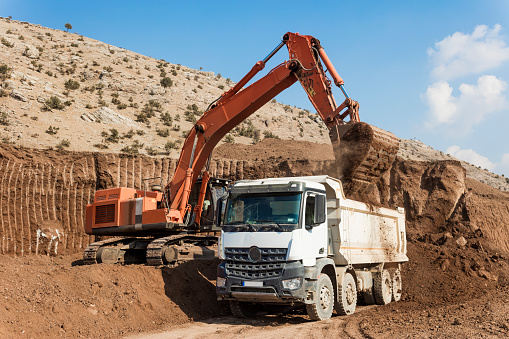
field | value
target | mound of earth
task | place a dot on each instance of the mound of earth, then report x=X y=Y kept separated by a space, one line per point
x=46 y=297
x=275 y=148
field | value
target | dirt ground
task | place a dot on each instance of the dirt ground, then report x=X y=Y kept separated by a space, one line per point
x=455 y=284
x=45 y=297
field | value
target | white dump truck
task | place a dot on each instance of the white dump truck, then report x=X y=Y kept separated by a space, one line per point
x=298 y=240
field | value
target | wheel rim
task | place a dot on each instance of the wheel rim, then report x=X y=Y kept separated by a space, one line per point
x=387 y=289
x=325 y=298
x=350 y=294
x=396 y=286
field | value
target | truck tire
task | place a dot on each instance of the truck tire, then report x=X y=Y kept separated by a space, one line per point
x=241 y=309
x=397 y=285
x=323 y=303
x=382 y=287
x=347 y=295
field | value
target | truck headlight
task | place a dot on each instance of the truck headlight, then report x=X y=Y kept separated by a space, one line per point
x=220 y=282
x=292 y=284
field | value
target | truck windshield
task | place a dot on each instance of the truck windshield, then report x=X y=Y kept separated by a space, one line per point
x=263 y=212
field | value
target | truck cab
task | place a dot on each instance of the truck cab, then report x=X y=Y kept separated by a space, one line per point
x=289 y=241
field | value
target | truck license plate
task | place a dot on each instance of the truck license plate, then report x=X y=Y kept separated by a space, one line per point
x=252 y=283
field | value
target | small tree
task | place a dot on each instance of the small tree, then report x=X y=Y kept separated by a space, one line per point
x=71 y=84
x=166 y=82
x=68 y=26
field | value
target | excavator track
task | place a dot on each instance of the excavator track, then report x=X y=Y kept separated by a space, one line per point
x=90 y=254
x=180 y=247
x=154 y=252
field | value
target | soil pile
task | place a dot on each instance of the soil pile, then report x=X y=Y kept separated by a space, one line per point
x=270 y=148
x=46 y=297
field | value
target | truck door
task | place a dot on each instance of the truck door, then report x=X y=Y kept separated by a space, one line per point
x=315 y=230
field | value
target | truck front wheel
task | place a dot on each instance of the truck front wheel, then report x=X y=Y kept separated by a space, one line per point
x=347 y=296
x=323 y=303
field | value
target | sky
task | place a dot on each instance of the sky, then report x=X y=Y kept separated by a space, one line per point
x=434 y=71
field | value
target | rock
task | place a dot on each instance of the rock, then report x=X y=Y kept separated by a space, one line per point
x=107 y=115
x=18 y=96
x=154 y=90
x=444 y=264
x=76 y=59
x=8 y=84
x=461 y=241
x=92 y=309
x=487 y=275
x=31 y=52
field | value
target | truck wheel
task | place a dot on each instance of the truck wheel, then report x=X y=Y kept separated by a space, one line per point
x=323 y=304
x=347 y=296
x=241 y=309
x=397 y=286
x=382 y=284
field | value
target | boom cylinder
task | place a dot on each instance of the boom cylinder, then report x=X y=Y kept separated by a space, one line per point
x=325 y=59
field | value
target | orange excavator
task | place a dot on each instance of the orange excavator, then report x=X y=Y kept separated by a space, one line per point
x=162 y=226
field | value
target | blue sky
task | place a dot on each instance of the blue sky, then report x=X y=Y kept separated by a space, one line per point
x=437 y=71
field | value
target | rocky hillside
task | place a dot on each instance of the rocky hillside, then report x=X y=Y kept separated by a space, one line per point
x=63 y=90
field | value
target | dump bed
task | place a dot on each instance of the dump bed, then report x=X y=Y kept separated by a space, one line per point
x=360 y=233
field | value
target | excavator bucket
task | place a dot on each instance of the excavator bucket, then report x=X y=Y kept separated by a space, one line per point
x=363 y=153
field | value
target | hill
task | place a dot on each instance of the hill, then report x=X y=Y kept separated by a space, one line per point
x=64 y=90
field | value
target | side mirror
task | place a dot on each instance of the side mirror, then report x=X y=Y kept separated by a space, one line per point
x=219 y=211
x=320 y=204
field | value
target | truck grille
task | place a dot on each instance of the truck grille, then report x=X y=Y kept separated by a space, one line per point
x=105 y=214
x=270 y=265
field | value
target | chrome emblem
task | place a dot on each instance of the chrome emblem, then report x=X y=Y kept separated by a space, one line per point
x=254 y=254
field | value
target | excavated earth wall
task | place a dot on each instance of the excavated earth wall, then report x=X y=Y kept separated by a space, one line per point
x=44 y=193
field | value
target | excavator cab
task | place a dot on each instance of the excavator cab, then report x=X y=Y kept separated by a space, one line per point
x=216 y=188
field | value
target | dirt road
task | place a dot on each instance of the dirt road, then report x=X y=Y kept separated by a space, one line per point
x=486 y=317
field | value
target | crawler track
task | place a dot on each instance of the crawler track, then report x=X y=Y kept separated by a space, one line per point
x=181 y=247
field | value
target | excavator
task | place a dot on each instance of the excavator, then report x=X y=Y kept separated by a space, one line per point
x=176 y=223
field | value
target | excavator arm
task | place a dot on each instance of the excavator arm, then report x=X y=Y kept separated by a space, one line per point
x=306 y=56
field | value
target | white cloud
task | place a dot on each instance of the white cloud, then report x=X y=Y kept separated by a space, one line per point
x=505 y=164
x=462 y=54
x=470 y=107
x=442 y=105
x=471 y=156
x=505 y=160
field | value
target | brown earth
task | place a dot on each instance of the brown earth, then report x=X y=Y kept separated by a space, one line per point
x=455 y=282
